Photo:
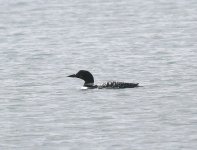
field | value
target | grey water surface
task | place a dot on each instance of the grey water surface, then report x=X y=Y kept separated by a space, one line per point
x=152 y=42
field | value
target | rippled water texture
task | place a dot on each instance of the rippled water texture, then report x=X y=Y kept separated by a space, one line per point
x=150 y=42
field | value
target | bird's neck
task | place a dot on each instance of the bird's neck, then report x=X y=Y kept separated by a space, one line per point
x=88 y=84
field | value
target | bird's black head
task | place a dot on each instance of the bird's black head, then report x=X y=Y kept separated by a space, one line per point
x=84 y=75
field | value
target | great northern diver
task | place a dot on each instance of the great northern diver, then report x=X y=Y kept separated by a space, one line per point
x=89 y=81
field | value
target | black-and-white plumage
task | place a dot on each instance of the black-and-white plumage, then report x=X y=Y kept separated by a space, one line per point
x=89 y=82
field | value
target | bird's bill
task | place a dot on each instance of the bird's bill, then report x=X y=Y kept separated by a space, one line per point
x=73 y=75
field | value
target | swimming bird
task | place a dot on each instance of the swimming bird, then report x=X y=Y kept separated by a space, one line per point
x=89 y=82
